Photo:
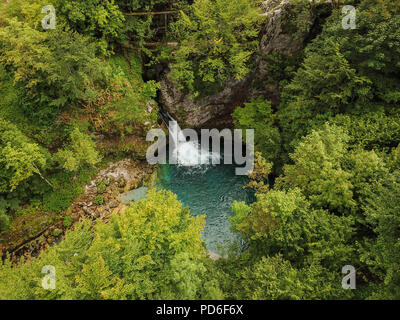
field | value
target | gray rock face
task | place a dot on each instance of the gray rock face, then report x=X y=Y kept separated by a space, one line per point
x=274 y=38
x=198 y=112
x=214 y=111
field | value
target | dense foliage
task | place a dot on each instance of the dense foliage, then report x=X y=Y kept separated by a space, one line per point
x=59 y=87
x=217 y=39
x=153 y=251
x=338 y=122
x=327 y=165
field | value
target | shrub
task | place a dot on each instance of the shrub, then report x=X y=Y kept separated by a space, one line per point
x=81 y=151
x=209 y=54
x=67 y=221
x=98 y=200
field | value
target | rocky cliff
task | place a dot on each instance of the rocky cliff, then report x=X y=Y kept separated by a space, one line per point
x=214 y=111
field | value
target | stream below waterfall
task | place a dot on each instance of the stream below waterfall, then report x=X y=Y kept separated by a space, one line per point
x=210 y=191
x=206 y=189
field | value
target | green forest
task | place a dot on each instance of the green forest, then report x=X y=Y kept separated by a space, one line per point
x=78 y=98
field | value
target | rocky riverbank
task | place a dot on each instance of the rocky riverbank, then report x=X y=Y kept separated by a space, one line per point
x=101 y=199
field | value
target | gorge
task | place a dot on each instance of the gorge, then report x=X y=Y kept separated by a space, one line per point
x=204 y=187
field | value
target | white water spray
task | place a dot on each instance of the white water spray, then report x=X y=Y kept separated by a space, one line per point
x=188 y=153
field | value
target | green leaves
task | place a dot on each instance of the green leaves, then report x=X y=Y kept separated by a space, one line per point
x=58 y=69
x=217 y=39
x=19 y=158
x=318 y=172
x=382 y=254
x=24 y=48
x=81 y=151
x=99 y=19
x=274 y=278
x=285 y=222
x=257 y=114
x=151 y=251
x=345 y=72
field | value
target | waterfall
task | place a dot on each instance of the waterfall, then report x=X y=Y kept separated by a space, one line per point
x=186 y=153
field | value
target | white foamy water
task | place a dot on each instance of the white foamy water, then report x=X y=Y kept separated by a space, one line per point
x=189 y=153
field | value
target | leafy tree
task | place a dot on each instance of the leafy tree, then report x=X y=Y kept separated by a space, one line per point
x=326 y=85
x=58 y=69
x=151 y=251
x=217 y=39
x=274 y=278
x=345 y=72
x=317 y=170
x=372 y=130
x=100 y=19
x=381 y=253
x=129 y=108
x=95 y=280
x=259 y=177
x=27 y=11
x=153 y=235
x=367 y=168
x=81 y=151
x=394 y=161
x=284 y=222
x=257 y=114
x=19 y=157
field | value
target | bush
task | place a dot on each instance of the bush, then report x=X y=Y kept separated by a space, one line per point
x=257 y=114
x=81 y=151
x=57 y=69
x=160 y=256
x=20 y=158
x=57 y=233
x=4 y=220
x=208 y=53
x=67 y=221
x=98 y=200
x=101 y=187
